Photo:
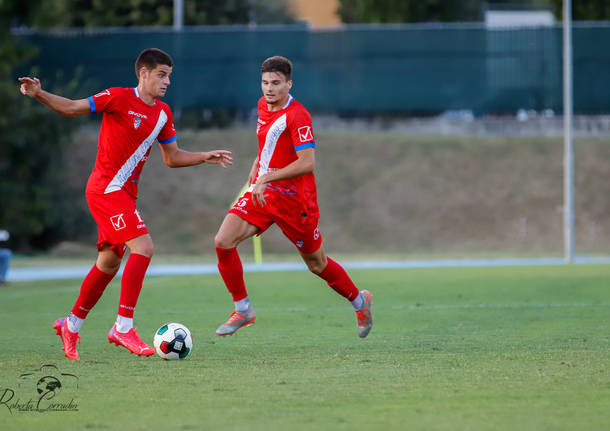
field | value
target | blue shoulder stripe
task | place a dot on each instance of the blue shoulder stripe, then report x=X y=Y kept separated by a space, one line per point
x=91 y=103
x=168 y=141
x=311 y=144
x=289 y=101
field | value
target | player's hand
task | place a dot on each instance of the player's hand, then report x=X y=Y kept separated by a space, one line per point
x=251 y=178
x=258 y=193
x=30 y=86
x=219 y=157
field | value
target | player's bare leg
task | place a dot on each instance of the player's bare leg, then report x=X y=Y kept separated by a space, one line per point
x=317 y=261
x=232 y=232
x=336 y=277
x=122 y=332
x=107 y=261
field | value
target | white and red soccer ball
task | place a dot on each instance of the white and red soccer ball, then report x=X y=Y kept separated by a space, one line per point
x=173 y=341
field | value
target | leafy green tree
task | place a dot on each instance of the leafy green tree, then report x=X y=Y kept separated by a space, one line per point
x=398 y=11
x=124 y=13
x=35 y=205
x=585 y=10
x=409 y=11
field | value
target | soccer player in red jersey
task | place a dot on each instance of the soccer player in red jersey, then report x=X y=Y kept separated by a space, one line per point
x=282 y=191
x=133 y=119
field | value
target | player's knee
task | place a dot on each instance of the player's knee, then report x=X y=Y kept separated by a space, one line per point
x=316 y=266
x=221 y=241
x=112 y=269
x=109 y=267
x=147 y=249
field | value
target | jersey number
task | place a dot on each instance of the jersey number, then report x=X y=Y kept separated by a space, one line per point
x=138 y=216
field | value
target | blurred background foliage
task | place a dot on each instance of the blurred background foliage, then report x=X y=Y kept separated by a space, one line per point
x=35 y=204
x=125 y=13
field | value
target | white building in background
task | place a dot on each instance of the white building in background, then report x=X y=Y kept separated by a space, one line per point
x=518 y=18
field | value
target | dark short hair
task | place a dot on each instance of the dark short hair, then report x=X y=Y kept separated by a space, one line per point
x=278 y=64
x=151 y=58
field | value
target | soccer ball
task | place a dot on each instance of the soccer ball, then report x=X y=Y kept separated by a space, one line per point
x=173 y=341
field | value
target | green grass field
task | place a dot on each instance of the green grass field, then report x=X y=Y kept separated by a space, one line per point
x=522 y=348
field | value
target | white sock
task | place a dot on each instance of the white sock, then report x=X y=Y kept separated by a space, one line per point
x=242 y=305
x=74 y=323
x=124 y=324
x=358 y=303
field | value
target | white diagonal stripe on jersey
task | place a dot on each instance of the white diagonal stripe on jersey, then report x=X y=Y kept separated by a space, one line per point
x=130 y=164
x=273 y=135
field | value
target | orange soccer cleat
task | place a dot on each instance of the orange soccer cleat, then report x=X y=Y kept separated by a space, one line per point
x=69 y=339
x=236 y=321
x=131 y=341
x=364 y=316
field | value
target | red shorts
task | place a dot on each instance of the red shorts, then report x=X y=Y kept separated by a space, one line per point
x=300 y=228
x=117 y=219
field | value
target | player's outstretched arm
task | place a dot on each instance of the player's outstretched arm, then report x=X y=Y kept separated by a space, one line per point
x=174 y=157
x=70 y=108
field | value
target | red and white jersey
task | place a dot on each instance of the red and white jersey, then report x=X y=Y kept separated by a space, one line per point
x=129 y=128
x=280 y=135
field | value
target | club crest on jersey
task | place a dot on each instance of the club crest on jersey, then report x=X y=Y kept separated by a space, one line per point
x=136 y=122
x=305 y=134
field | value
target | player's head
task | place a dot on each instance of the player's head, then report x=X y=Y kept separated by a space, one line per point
x=276 y=80
x=278 y=64
x=150 y=58
x=153 y=68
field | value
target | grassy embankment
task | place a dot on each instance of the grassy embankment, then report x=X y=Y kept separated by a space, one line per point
x=387 y=195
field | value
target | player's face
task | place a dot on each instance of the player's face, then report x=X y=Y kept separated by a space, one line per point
x=156 y=80
x=275 y=89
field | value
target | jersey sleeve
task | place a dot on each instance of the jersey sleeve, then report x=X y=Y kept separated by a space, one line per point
x=168 y=132
x=104 y=101
x=301 y=130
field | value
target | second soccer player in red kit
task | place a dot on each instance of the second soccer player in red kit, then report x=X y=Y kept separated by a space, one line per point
x=282 y=191
x=133 y=119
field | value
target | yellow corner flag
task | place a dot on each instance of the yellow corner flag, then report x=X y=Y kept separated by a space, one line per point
x=256 y=240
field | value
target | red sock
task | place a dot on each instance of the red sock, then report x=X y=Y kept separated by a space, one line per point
x=91 y=291
x=232 y=272
x=131 y=283
x=337 y=278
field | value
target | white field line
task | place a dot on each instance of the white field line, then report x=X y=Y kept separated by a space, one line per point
x=422 y=307
x=54 y=273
